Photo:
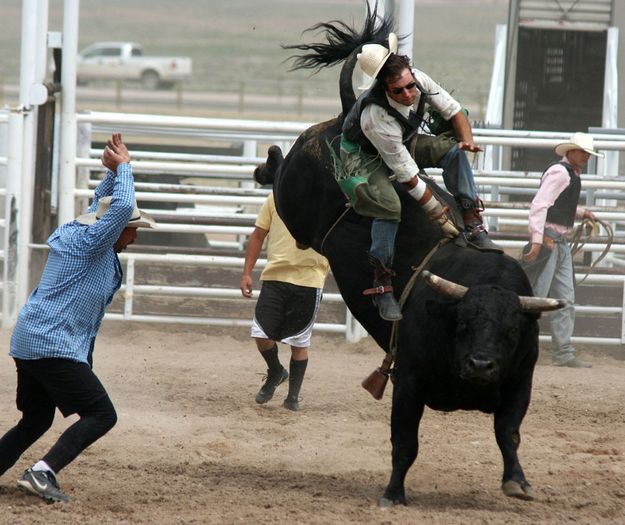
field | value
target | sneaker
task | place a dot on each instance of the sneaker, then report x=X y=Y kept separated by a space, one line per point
x=42 y=484
x=291 y=403
x=575 y=363
x=271 y=382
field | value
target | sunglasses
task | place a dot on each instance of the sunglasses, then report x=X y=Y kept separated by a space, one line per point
x=400 y=90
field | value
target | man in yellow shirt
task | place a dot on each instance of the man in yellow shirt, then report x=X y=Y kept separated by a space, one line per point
x=292 y=286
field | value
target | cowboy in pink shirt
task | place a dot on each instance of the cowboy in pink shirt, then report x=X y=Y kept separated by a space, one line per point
x=552 y=214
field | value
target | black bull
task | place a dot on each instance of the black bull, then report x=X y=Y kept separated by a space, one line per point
x=473 y=350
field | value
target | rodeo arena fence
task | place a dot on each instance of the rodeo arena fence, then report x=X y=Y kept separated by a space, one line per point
x=206 y=203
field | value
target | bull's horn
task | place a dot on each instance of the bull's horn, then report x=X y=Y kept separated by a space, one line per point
x=541 y=304
x=457 y=291
x=449 y=288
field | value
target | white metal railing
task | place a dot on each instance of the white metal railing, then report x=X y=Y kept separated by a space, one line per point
x=352 y=333
x=238 y=169
x=349 y=328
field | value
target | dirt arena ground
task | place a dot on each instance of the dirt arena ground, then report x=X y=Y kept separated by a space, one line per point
x=191 y=446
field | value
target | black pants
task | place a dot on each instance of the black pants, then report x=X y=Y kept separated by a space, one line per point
x=42 y=386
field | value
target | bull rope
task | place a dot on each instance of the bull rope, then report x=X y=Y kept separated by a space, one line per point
x=323 y=241
x=416 y=271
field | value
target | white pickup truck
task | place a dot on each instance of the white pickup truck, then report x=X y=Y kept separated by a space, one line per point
x=126 y=61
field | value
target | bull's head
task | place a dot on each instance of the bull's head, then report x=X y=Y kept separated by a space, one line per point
x=488 y=320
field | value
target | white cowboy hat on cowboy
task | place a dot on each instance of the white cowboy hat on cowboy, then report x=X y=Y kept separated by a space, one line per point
x=373 y=57
x=139 y=219
x=578 y=140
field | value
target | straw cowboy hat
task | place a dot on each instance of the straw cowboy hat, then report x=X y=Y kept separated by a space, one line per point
x=139 y=219
x=374 y=56
x=578 y=140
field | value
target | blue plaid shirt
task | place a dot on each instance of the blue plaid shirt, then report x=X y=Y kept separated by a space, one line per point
x=63 y=314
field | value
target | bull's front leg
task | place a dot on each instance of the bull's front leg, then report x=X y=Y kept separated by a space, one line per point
x=405 y=417
x=507 y=431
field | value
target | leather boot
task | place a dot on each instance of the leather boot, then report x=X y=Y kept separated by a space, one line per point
x=473 y=224
x=382 y=291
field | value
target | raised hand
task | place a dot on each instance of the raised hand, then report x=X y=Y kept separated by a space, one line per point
x=115 y=153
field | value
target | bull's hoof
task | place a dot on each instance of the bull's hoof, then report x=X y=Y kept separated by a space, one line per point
x=386 y=503
x=514 y=489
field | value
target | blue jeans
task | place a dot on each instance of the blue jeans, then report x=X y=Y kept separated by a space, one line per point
x=383 y=240
x=458 y=174
x=458 y=178
x=557 y=280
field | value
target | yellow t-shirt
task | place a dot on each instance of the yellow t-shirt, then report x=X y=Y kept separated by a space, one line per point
x=285 y=261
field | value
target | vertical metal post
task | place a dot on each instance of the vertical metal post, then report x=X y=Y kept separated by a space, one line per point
x=609 y=165
x=406 y=27
x=354 y=331
x=41 y=59
x=27 y=167
x=11 y=215
x=130 y=288
x=494 y=107
x=623 y=317
x=67 y=170
x=83 y=150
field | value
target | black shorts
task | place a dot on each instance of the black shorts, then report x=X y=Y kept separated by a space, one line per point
x=284 y=310
x=69 y=385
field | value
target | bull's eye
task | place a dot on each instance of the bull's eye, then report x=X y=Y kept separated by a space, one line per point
x=512 y=335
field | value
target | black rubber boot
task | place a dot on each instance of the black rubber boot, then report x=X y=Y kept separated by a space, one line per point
x=476 y=234
x=297 y=370
x=382 y=291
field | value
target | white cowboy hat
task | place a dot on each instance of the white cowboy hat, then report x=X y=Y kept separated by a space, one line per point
x=374 y=56
x=139 y=219
x=578 y=140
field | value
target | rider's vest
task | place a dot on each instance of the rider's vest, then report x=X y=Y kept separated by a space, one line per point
x=376 y=95
x=563 y=209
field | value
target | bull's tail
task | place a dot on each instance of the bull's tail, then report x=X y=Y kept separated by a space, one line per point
x=265 y=173
x=342 y=41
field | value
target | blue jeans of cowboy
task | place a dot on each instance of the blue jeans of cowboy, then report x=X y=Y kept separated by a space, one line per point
x=557 y=280
x=458 y=178
x=458 y=174
x=383 y=234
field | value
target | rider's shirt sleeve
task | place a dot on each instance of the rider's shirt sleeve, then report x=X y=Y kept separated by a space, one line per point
x=385 y=133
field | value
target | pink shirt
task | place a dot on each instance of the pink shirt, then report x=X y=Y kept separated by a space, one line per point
x=555 y=181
